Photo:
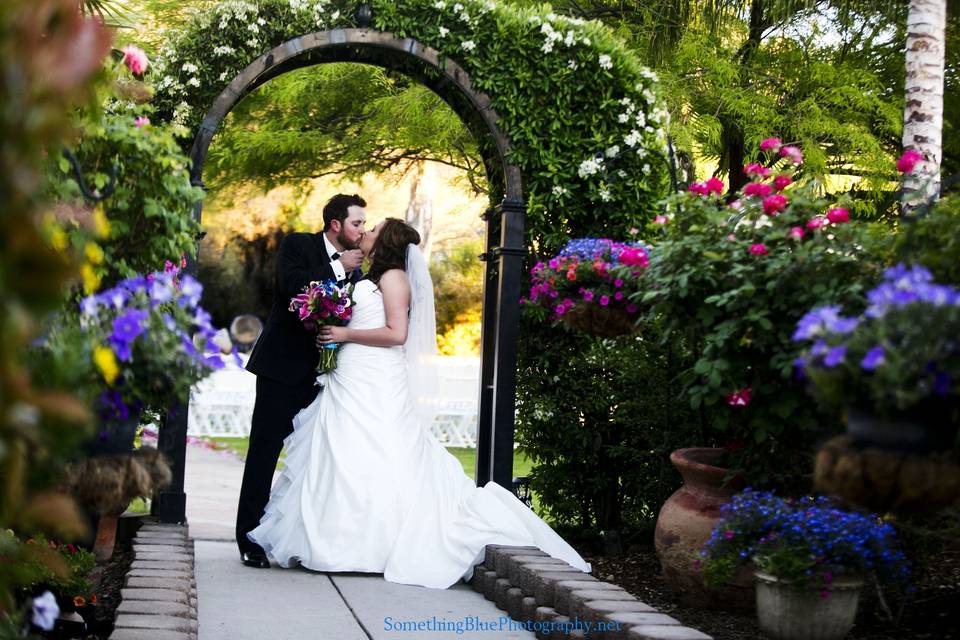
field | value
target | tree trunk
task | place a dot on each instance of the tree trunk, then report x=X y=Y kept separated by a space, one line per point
x=420 y=209
x=923 y=114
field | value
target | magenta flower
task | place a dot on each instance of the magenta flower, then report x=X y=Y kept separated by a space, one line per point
x=141 y=122
x=781 y=182
x=753 y=169
x=757 y=190
x=759 y=249
x=740 y=398
x=661 y=219
x=618 y=283
x=816 y=223
x=604 y=301
x=838 y=215
x=588 y=296
x=728 y=534
x=793 y=154
x=698 y=188
x=715 y=185
x=618 y=295
x=632 y=308
x=772 y=205
x=135 y=59
x=771 y=144
x=908 y=161
x=796 y=233
x=634 y=257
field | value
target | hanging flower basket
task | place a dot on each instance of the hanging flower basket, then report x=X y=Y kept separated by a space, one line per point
x=589 y=284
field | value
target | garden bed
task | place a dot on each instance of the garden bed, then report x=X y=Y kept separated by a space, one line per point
x=108 y=580
x=931 y=614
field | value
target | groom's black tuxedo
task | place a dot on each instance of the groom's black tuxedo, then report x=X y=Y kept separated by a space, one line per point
x=284 y=361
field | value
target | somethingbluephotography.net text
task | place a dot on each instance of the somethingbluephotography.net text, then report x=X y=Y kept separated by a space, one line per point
x=475 y=624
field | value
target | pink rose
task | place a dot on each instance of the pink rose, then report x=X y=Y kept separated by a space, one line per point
x=698 y=188
x=661 y=219
x=757 y=190
x=715 y=185
x=793 y=154
x=771 y=144
x=141 y=121
x=740 y=398
x=754 y=169
x=816 y=223
x=781 y=182
x=135 y=59
x=772 y=205
x=759 y=249
x=796 y=233
x=838 y=215
x=634 y=257
x=908 y=161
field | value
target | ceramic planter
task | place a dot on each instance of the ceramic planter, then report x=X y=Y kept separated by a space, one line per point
x=787 y=613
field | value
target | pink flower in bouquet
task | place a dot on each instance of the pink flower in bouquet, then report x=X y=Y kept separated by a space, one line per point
x=772 y=205
x=781 y=182
x=323 y=304
x=793 y=154
x=771 y=144
x=816 y=223
x=796 y=233
x=715 y=185
x=757 y=190
x=634 y=257
x=754 y=170
x=908 y=161
x=135 y=59
x=661 y=219
x=838 y=215
x=759 y=249
x=740 y=398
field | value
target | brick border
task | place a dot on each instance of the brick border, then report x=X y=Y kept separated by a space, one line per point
x=159 y=599
x=531 y=586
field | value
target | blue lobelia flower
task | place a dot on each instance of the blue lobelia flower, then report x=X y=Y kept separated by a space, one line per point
x=873 y=358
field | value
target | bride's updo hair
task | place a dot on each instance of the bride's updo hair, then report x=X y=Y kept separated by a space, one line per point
x=390 y=248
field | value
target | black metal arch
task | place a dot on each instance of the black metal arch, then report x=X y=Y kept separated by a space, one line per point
x=505 y=225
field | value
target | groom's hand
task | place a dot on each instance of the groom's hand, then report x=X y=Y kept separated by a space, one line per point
x=351 y=259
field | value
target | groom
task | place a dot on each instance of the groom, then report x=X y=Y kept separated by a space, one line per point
x=285 y=356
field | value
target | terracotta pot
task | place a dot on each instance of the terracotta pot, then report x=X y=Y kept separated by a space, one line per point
x=684 y=525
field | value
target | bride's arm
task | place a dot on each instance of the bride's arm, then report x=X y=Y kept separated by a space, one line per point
x=395 y=289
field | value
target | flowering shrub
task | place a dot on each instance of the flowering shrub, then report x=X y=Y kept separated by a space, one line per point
x=588 y=272
x=898 y=359
x=807 y=542
x=728 y=279
x=147 y=337
x=70 y=582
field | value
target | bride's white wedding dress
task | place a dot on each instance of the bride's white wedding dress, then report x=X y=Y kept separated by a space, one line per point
x=366 y=488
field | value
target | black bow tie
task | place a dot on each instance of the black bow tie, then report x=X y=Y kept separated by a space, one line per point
x=335 y=256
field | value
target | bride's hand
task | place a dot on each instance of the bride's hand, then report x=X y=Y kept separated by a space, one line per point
x=331 y=335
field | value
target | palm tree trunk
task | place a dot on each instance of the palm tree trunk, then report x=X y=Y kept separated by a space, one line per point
x=923 y=115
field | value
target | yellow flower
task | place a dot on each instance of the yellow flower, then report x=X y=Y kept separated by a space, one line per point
x=107 y=363
x=58 y=238
x=91 y=281
x=93 y=252
x=101 y=226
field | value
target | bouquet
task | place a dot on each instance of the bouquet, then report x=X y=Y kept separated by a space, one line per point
x=808 y=542
x=586 y=284
x=322 y=304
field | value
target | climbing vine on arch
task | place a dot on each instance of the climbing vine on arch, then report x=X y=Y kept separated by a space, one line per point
x=582 y=114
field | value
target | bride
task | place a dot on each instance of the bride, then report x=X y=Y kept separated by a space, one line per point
x=366 y=487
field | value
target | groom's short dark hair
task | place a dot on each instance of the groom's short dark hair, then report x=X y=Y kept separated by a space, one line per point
x=336 y=208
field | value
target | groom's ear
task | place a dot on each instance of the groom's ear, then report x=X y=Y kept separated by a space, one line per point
x=336 y=225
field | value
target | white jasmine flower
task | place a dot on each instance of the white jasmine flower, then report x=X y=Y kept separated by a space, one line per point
x=605 y=195
x=589 y=167
x=625 y=101
x=551 y=17
x=224 y=76
x=254 y=27
x=569 y=40
x=573 y=65
x=646 y=168
x=632 y=138
x=612 y=152
x=621 y=173
x=252 y=43
x=189 y=67
x=223 y=50
x=335 y=15
x=440 y=4
x=443 y=32
x=605 y=62
x=559 y=190
x=468 y=45
x=193 y=82
x=547 y=47
x=623 y=117
x=458 y=7
x=648 y=96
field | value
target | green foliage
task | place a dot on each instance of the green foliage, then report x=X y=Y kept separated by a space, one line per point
x=150 y=210
x=932 y=239
x=731 y=284
x=77 y=562
x=457 y=283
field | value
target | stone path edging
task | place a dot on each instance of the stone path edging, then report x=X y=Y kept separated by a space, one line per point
x=531 y=586
x=159 y=599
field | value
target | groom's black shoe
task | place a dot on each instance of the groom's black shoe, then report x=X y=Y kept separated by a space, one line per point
x=256 y=559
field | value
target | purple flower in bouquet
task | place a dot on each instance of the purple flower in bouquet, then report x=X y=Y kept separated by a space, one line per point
x=323 y=304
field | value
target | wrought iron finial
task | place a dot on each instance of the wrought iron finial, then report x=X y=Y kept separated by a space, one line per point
x=91 y=195
x=364 y=16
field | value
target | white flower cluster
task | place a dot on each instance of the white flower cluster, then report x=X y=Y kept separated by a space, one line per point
x=468 y=45
x=553 y=36
x=605 y=62
x=189 y=67
x=589 y=167
x=181 y=113
x=605 y=195
x=559 y=190
x=242 y=12
x=443 y=32
x=223 y=50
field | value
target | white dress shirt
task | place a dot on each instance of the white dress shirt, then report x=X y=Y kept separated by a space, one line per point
x=338 y=269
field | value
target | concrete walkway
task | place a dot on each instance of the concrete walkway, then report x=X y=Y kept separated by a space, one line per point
x=237 y=602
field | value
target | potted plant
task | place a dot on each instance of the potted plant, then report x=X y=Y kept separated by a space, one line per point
x=811 y=559
x=895 y=367
x=584 y=285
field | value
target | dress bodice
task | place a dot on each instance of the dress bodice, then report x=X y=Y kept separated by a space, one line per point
x=368 y=310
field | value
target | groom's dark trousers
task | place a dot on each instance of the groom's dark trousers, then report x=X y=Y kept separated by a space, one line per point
x=284 y=361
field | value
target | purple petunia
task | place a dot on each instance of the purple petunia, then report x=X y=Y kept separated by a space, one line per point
x=128 y=326
x=823 y=320
x=872 y=359
x=835 y=356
